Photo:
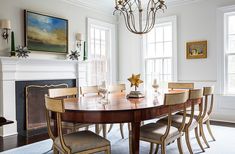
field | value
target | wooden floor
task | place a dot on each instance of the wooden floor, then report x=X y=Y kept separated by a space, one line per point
x=17 y=140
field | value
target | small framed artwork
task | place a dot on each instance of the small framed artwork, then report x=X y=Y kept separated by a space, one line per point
x=45 y=33
x=196 y=50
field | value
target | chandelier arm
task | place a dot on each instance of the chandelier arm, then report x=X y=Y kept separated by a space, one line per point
x=133 y=22
x=147 y=21
x=154 y=21
x=126 y=21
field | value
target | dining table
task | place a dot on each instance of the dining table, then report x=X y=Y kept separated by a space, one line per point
x=117 y=108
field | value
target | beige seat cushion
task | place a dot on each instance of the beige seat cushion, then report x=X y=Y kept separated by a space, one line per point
x=83 y=140
x=155 y=131
x=177 y=121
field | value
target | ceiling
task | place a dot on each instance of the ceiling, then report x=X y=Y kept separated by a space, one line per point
x=107 y=6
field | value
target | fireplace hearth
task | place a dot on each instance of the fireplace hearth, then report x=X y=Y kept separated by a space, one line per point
x=30 y=109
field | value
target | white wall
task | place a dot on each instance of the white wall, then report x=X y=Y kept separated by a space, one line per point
x=195 y=21
x=13 y=10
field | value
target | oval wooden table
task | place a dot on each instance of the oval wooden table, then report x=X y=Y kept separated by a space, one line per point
x=119 y=109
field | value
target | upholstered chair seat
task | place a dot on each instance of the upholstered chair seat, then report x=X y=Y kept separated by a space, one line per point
x=82 y=141
x=154 y=131
x=177 y=120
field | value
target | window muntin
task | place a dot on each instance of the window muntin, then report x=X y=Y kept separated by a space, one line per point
x=159 y=54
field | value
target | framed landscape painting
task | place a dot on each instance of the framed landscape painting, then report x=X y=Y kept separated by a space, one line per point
x=45 y=33
x=196 y=50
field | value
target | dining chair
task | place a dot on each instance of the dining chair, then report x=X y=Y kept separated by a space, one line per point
x=178 y=85
x=81 y=142
x=88 y=91
x=191 y=123
x=114 y=89
x=67 y=93
x=163 y=134
x=208 y=93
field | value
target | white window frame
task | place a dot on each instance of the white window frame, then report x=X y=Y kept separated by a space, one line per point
x=173 y=20
x=222 y=28
x=111 y=56
x=226 y=53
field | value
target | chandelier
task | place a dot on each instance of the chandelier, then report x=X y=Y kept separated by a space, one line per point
x=133 y=13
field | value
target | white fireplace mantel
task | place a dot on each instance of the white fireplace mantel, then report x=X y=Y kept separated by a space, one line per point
x=18 y=69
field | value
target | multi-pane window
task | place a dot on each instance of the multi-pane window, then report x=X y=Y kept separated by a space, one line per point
x=101 y=51
x=158 y=55
x=230 y=53
x=97 y=68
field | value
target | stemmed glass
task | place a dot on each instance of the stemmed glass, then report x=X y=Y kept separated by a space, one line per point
x=103 y=90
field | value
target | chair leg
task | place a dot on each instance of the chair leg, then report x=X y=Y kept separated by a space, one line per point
x=209 y=129
x=110 y=127
x=179 y=144
x=87 y=127
x=187 y=139
x=151 y=148
x=55 y=151
x=130 y=145
x=104 y=130
x=121 y=130
x=198 y=139
x=129 y=126
x=203 y=135
x=157 y=147
x=108 y=151
x=97 y=128
x=163 y=148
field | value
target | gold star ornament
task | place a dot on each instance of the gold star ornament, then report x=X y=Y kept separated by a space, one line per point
x=135 y=80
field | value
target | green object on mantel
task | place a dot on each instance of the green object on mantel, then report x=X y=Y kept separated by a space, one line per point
x=12 y=44
x=85 y=52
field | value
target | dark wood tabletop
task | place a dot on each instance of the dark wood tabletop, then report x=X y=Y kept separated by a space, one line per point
x=118 y=109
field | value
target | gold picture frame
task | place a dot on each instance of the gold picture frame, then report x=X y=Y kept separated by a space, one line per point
x=196 y=50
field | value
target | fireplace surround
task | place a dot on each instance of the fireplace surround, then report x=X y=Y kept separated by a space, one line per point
x=13 y=70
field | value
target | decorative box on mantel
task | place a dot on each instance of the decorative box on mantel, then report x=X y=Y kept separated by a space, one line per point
x=16 y=69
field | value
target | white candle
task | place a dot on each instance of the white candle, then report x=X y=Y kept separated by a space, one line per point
x=154 y=81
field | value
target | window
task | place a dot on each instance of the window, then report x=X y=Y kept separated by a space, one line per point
x=159 y=53
x=230 y=53
x=101 y=50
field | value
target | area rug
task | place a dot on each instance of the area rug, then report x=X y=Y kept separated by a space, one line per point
x=224 y=144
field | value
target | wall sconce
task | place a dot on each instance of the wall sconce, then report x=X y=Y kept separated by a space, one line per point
x=6 y=26
x=79 y=39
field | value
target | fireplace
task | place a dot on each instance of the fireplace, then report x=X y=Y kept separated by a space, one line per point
x=18 y=72
x=30 y=109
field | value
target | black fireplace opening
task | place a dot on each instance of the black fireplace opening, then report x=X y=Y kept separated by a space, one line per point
x=30 y=110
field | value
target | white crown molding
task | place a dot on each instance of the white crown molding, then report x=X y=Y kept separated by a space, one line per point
x=173 y=3
x=107 y=9
x=96 y=7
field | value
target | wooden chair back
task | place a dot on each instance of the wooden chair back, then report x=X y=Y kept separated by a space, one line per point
x=176 y=98
x=63 y=92
x=178 y=85
x=208 y=92
x=194 y=95
x=116 y=88
x=89 y=90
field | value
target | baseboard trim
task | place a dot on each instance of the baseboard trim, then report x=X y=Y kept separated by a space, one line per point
x=222 y=123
